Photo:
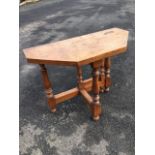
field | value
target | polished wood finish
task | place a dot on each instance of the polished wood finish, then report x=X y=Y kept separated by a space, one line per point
x=80 y=50
x=94 y=49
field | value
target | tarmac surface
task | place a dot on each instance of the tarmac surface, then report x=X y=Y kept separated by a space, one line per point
x=70 y=131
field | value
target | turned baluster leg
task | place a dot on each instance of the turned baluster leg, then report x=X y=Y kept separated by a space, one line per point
x=107 y=74
x=102 y=76
x=96 y=106
x=48 y=88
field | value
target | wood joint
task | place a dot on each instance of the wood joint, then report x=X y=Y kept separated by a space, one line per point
x=86 y=96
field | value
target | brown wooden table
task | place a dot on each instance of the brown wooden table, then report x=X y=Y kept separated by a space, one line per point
x=94 y=49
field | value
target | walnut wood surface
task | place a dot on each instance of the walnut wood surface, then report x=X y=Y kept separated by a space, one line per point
x=80 y=50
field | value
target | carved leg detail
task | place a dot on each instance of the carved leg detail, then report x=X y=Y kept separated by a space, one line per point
x=107 y=74
x=96 y=106
x=48 y=89
x=102 y=76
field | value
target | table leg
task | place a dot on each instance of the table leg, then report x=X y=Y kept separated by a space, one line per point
x=102 y=76
x=107 y=74
x=96 y=106
x=48 y=88
x=79 y=76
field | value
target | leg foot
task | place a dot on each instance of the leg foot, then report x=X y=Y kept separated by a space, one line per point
x=96 y=118
x=53 y=110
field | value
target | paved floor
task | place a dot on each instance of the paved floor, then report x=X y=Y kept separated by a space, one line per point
x=70 y=131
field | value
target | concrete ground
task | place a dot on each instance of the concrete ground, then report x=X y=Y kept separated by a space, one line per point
x=70 y=131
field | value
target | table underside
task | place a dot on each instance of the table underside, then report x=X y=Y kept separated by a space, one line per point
x=100 y=82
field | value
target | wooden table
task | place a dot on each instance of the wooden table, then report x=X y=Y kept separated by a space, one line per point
x=94 y=49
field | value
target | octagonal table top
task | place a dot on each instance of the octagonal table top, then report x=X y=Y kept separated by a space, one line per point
x=80 y=50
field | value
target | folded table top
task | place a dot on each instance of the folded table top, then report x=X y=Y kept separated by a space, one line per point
x=80 y=50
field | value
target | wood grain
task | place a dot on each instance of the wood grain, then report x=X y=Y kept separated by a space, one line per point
x=80 y=50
